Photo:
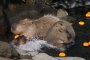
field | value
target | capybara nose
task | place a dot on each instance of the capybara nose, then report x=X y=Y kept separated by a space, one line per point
x=68 y=45
x=13 y=27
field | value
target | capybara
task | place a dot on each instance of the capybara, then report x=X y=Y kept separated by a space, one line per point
x=37 y=28
x=48 y=27
x=61 y=33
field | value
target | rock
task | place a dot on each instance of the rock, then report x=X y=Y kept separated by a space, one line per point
x=5 y=49
x=43 y=56
x=26 y=54
x=25 y=59
x=71 y=58
x=15 y=53
x=2 y=26
x=2 y=58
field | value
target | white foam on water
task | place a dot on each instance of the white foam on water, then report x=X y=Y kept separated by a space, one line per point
x=34 y=45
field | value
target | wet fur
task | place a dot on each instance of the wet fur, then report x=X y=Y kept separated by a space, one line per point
x=48 y=27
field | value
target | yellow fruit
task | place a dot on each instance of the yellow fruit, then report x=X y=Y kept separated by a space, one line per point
x=88 y=14
x=16 y=36
x=62 y=54
x=81 y=23
x=86 y=44
x=89 y=42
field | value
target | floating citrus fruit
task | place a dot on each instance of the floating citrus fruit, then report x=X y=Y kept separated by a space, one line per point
x=89 y=42
x=88 y=14
x=62 y=54
x=16 y=36
x=81 y=23
x=86 y=44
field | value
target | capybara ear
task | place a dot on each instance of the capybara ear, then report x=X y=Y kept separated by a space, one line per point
x=62 y=13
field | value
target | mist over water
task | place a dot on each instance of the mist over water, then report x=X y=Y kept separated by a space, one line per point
x=34 y=45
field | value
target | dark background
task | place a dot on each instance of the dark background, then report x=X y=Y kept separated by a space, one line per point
x=11 y=8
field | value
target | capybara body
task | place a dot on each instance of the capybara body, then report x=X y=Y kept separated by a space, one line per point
x=37 y=28
x=48 y=27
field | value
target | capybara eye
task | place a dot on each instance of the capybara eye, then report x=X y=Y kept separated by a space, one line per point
x=61 y=24
x=24 y=23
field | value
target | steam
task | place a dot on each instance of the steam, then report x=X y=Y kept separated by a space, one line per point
x=32 y=47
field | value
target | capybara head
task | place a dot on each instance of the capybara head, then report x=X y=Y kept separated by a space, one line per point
x=61 y=34
x=20 y=26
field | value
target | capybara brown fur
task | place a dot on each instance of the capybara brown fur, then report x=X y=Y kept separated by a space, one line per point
x=37 y=28
x=61 y=33
x=48 y=27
